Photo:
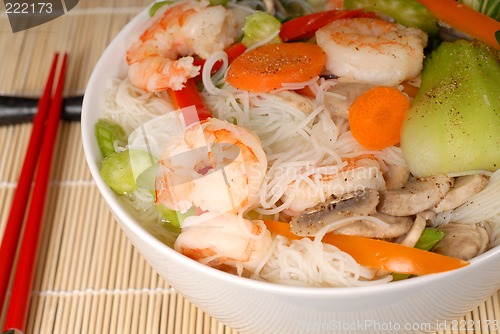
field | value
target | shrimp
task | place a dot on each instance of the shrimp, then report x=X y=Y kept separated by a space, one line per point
x=214 y=166
x=362 y=172
x=227 y=242
x=372 y=51
x=183 y=30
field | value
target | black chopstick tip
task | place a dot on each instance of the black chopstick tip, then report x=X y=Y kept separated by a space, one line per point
x=13 y=331
x=16 y=109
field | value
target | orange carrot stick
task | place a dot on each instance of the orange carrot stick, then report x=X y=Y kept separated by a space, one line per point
x=266 y=68
x=376 y=117
x=381 y=254
x=465 y=19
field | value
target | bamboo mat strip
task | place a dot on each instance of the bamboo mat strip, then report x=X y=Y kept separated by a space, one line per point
x=89 y=278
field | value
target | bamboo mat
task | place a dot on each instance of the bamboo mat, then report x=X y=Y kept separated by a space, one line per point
x=89 y=278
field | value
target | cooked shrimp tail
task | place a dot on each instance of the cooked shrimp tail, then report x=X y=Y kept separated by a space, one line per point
x=162 y=57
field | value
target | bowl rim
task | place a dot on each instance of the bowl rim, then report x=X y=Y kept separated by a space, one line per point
x=92 y=157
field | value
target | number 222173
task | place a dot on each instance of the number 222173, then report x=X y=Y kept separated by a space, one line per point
x=28 y=8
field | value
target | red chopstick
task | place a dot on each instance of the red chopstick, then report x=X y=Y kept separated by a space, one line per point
x=21 y=195
x=21 y=289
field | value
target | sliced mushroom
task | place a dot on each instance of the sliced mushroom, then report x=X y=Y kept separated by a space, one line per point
x=361 y=202
x=339 y=98
x=396 y=227
x=428 y=215
x=418 y=195
x=462 y=241
x=464 y=187
x=396 y=177
x=415 y=232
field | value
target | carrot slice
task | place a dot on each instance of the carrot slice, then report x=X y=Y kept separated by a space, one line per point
x=376 y=117
x=381 y=254
x=465 y=19
x=266 y=68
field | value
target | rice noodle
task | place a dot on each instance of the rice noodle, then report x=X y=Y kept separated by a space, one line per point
x=480 y=207
x=296 y=85
x=321 y=88
x=307 y=262
x=131 y=106
x=208 y=79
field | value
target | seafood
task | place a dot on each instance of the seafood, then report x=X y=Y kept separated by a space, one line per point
x=185 y=29
x=372 y=51
x=227 y=242
x=214 y=166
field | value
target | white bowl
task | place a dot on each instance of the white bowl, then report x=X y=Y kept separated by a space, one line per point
x=417 y=305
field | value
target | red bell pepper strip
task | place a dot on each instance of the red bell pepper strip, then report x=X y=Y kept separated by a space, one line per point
x=305 y=27
x=189 y=96
x=233 y=51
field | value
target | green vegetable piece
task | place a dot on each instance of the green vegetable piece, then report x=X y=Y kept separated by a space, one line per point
x=172 y=217
x=218 y=2
x=409 y=13
x=117 y=173
x=144 y=168
x=429 y=238
x=497 y=36
x=454 y=122
x=399 y=277
x=259 y=26
x=107 y=133
x=156 y=6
